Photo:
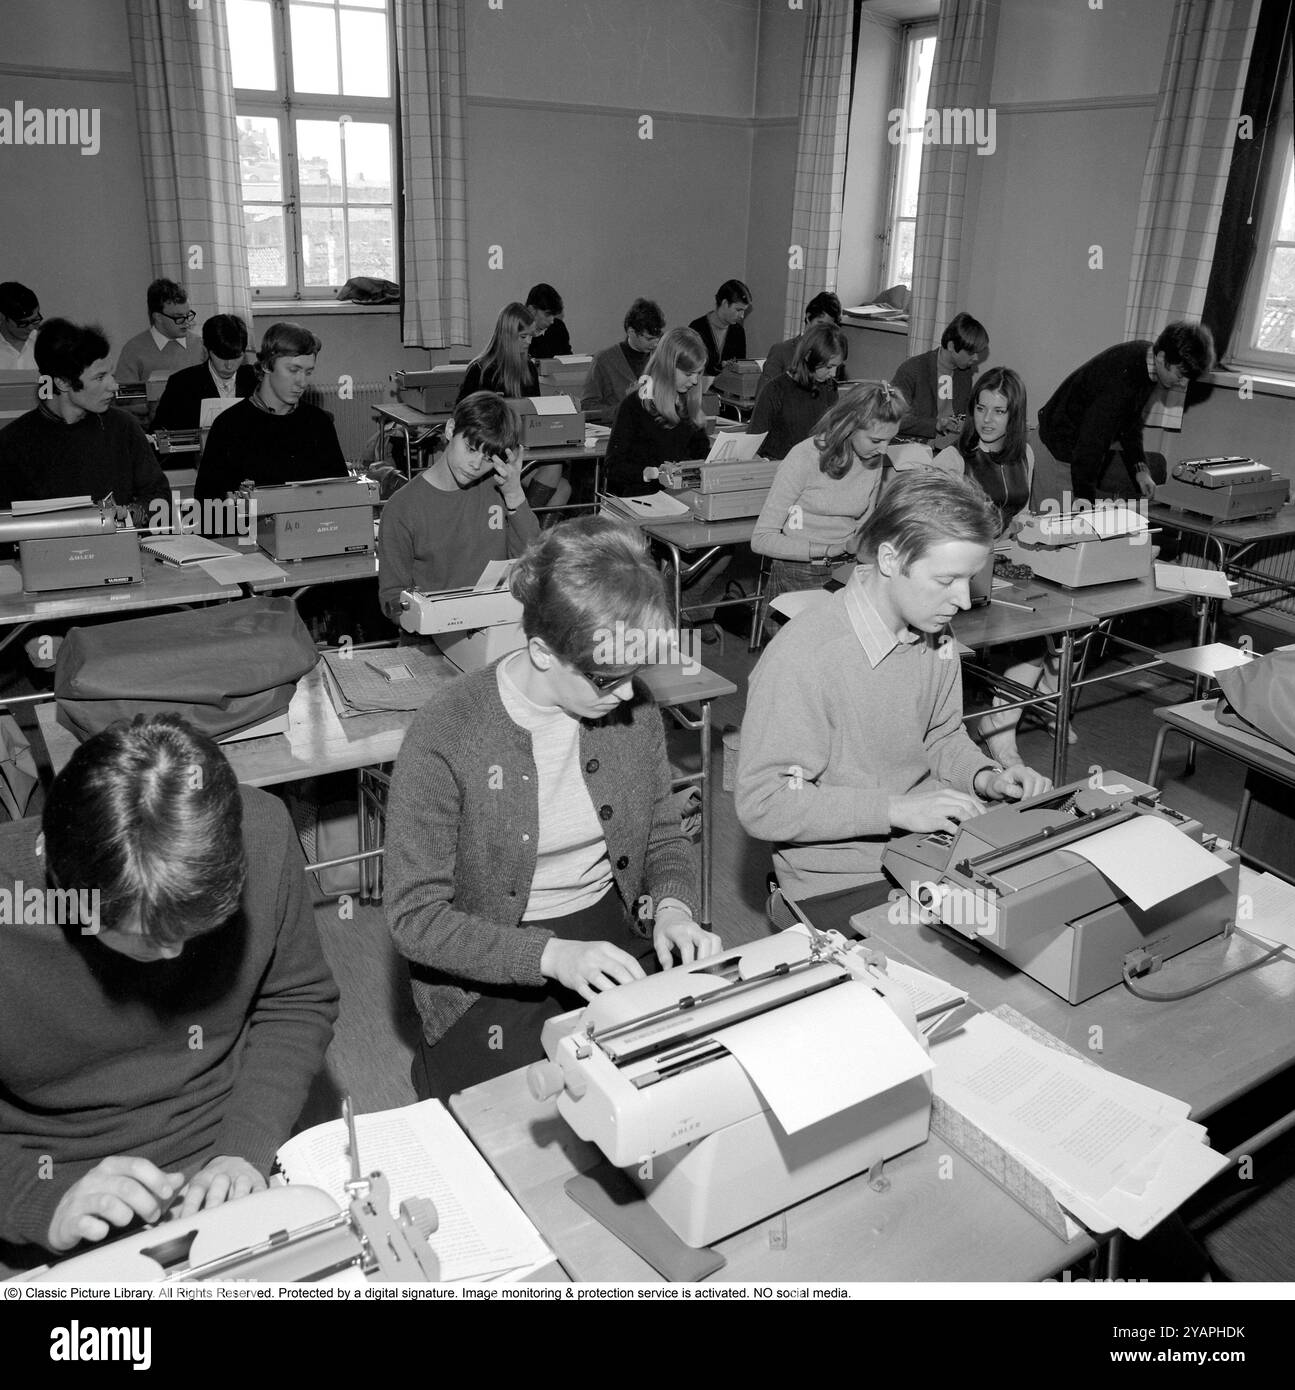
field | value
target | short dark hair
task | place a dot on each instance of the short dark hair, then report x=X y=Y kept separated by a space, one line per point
x=824 y=303
x=964 y=334
x=817 y=346
x=582 y=577
x=486 y=421
x=225 y=335
x=285 y=340
x=733 y=292
x=922 y=508
x=546 y=299
x=1187 y=345
x=17 y=301
x=149 y=813
x=644 y=316
x=165 y=292
x=65 y=349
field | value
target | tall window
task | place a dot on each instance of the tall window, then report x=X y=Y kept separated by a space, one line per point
x=316 y=134
x=913 y=82
x=1265 y=332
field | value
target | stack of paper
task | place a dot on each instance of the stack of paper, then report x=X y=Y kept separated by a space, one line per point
x=393 y=679
x=1192 y=579
x=652 y=506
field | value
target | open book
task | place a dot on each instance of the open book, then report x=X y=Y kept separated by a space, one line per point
x=482 y=1232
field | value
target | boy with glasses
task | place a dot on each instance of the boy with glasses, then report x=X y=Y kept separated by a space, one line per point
x=20 y=317
x=167 y=344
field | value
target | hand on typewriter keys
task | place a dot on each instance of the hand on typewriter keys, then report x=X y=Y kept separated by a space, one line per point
x=218 y=1181
x=114 y=1192
x=588 y=967
x=1015 y=783
x=693 y=942
x=939 y=808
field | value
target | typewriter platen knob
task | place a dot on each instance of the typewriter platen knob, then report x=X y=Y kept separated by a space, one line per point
x=420 y=1213
x=544 y=1080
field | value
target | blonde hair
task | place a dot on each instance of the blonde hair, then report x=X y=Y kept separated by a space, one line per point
x=505 y=357
x=871 y=402
x=681 y=349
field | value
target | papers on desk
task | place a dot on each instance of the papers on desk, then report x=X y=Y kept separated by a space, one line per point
x=1266 y=907
x=212 y=406
x=422 y=1152
x=1114 y=1153
x=932 y=997
x=1192 y=579
x=187 y=549
x=1209 y=659
x=875 y=311
x=381 y=679
x=244 y=567
x=1107 y=520
x=1147 y=859
x=653 y=506
x=734 y=448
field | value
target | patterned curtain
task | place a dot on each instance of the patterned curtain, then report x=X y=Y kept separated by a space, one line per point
x=431 y=51
x=184 y=94
x=957 y=84
x=1186 y=174
x=820 y=155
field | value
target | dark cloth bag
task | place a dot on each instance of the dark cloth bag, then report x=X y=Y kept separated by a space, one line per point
x=1260 y=698
x=222 y=668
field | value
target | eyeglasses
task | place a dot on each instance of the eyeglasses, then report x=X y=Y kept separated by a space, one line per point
x=603 y=682
x=181 y=318
x=31 y=321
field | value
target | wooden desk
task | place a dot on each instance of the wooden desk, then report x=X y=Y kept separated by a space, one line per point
x=927 y=1225
x=300 y=575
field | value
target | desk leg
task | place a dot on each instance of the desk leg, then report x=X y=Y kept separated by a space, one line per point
x=676 y=565
x=1153 y=772
x=707 y=821
x=1065 y=674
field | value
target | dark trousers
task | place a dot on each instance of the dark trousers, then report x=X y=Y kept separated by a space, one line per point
x=501 y=1031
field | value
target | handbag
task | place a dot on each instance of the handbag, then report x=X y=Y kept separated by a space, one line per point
x=223 y=668
x=1260 y=698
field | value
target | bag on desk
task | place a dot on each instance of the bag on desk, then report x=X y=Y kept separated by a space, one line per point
x=222 y=668
x=1260 y=698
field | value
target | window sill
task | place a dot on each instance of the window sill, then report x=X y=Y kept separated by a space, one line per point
x=299 y=308
x=1257 y=379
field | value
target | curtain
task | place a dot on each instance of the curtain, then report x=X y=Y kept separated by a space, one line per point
x=1186 y=173
x=959 y=84
x=431 y=51
x=820 y=156
x=184 y=94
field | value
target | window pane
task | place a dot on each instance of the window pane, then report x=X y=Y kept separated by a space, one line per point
x=901 y=255
x=364 y=55
x=910 y=173
x=367 y=4
x=371 y=243
x=251 y=44
x=1277 y=322
x=323 y=236
x=260 y=165
x=319 y=161
x=314 y=49
x=267 y=257
x=1286 y=224
x=368 y=162
x=921 y=55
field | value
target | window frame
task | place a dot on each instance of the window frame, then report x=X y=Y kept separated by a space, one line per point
x=286 y=107
x=910 y=35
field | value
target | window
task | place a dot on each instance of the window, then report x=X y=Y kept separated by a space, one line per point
x=316 y=133
x=913 y=82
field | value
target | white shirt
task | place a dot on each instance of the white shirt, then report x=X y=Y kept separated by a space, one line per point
x=162 y=340
x=22 y=359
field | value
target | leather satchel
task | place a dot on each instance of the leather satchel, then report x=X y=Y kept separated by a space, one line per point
x=1260 y=698
x=223 y=668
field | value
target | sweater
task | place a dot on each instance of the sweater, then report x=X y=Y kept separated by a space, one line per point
x=555 y=341
x=828 y=738
x=1098 y=405
x=808 y=515
x=475 y=379
x=640 y=439
x=181 y=405
x=140 y=357
x=613 y=374
x=780 y=359
x=919 y=379
x=431 y=539
x=787 y=412
x=734 y=344
x=97 y=1050
x=463 y=827
x=248 y=441
x=43 y=456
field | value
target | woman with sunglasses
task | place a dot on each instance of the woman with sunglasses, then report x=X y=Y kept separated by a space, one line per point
x=534 y=851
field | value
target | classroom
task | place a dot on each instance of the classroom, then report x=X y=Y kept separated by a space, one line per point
x=454 y=210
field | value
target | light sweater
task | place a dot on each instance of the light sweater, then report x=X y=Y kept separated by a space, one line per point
x=830 y=736
x=141 y=356
x=808 y=515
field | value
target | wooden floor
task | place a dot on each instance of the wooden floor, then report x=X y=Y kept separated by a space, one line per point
x=1248 y=1229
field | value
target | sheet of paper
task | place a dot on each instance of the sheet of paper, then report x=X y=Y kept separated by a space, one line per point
x=494 y=576
x=251 y=568
x=835 y=1050
x=213 y=406
x=654 y=506
x=1192 y=579
x=734 y=447
x=796 y=601
x=1147 y=859
x=1162 y=1183
x=1206 y=660
x=36 y=505
x=553 y=405
x=575 y=359
x=1266 y=907
x=928 y=992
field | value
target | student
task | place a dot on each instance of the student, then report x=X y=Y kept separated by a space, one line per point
x=661 y=421
x=468 y=508
x=721 y=329
x=853 y=727
x=787 y=409
x=824 y=308
x=534 y=850
x=551 y=337
x=273 y=436
x=224 y=374
x=20 y=317
x=78 y=444
x=938 y=383
x=1102 y=403
x=616 y=370
x=992 y=449
x=825 y=487
x=166 y=344
x=111 y=1113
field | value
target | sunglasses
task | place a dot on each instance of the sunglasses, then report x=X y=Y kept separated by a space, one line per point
x=602 y=682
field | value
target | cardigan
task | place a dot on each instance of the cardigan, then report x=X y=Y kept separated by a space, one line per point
x=462 y=831
x=641 y=439
x=787 y=412
x=613 y=374
x=919 y=379
x=734 y=344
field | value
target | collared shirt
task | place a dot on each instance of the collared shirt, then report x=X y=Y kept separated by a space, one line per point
x=21 y=359
x=256 y=400
x=162 y=341
x=223 y=388
x=875 y=636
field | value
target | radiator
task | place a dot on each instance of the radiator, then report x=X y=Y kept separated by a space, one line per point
x=1272 y=559
x=353 y=418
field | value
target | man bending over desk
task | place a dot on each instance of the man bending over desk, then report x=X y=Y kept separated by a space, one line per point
x=157 y=1057
x=853 y=725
